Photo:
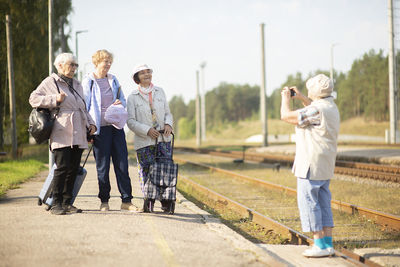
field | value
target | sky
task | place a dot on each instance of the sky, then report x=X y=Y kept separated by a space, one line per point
x=175 y=36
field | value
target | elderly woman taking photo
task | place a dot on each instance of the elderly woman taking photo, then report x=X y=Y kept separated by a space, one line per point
x=103 y=90
x=69 y=135
x=148 y=113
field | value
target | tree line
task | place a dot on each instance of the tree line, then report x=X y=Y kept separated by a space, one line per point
x=29 y=32
x=363 y=91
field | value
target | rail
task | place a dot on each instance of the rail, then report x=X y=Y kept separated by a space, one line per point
x=384 y=219
x=264 y=221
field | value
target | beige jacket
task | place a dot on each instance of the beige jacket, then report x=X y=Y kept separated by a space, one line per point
x=72 y=120
x=140 y=119
x=316 y=145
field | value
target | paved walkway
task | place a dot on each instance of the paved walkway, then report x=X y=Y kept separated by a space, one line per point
x=31 y=236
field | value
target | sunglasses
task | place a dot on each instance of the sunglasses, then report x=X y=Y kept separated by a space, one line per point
x=74 y=64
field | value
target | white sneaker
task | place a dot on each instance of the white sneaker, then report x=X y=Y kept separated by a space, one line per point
x=315 y=252
x=331 y=251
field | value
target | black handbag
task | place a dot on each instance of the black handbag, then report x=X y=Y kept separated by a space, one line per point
x=41 y=121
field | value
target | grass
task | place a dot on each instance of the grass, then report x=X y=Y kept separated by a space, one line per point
x=15 y=172
x=236 y=133
x=12 y=173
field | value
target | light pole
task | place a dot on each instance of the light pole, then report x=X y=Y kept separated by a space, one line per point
x=263 y=100
x=198 y=119
x=332 y=46
x=203 y=104
x=393 y=90
x=76 y=47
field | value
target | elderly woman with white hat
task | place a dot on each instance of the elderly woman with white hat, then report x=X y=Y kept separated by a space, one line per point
x=317 y=129
x=104 y=96
x=148 y=113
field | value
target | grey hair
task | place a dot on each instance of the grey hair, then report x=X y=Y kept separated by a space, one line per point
x=62 y=59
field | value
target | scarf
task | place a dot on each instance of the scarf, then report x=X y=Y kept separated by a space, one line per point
x=147 y=94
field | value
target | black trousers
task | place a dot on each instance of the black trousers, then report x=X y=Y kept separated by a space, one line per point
x=67 y=160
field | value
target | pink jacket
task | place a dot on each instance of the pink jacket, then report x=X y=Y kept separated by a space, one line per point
x=72 y=120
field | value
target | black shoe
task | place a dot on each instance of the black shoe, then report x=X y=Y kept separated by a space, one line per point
x=72 y=209
x=148 y=205
x=165 y=205
x=57 y=210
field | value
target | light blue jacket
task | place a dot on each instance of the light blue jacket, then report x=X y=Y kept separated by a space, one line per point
x=91 y=91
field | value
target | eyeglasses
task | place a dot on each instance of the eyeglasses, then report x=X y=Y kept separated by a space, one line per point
x=74 y=64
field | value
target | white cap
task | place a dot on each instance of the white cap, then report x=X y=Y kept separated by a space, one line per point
x=140 y=67
x=320 y=86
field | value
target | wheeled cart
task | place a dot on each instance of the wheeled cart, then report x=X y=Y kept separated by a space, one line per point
x=161 y=182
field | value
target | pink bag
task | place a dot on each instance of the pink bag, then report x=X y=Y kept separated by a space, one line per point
x=116 y=115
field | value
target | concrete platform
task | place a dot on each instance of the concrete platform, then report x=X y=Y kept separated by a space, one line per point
x=31 y=236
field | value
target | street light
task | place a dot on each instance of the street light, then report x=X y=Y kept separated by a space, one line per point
x=333 y=81
x=76 y=46
x=203 y=104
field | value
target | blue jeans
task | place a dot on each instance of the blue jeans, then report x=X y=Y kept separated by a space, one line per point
x=111 y=143
x=314 y=202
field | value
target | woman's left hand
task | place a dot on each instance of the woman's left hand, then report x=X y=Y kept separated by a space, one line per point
x=167 y=130
x=117 y=102
x=92 y=129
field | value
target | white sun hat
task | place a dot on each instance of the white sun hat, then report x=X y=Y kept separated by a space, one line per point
x=140 y=67
x=320 y=85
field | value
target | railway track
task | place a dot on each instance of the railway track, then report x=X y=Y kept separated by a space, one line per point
x=381 y=218
x=294 y=236
x=283 y=226
x=363 y=170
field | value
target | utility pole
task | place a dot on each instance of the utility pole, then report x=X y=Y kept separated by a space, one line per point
x=263 y=102
x=331 y=76
x=11 y=87
x=198 y=132
x=203 y=104
x=50 y=26
x=76 y=51
x=63 y=39
x=392 y=80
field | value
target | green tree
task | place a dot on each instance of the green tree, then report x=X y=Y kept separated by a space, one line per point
x=178 y=109
x=29 y=31
x=365 y=92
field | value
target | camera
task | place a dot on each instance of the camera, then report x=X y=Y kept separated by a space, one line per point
x=292 y=92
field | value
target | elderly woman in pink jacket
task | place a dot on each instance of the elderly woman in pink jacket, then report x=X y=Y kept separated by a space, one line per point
x=69 y=136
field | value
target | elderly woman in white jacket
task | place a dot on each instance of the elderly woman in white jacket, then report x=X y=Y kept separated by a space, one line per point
x=102 y=90
x=148 y=113
x=68 y=137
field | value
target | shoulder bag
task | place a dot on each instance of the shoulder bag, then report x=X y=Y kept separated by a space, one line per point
x=41 y=121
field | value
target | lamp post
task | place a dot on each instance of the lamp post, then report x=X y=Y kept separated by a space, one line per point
x=76 y=47
x=331 y=74
x=203 y=104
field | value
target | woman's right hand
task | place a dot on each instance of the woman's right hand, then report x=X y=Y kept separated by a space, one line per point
x=60 y=97
x=153 y=133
